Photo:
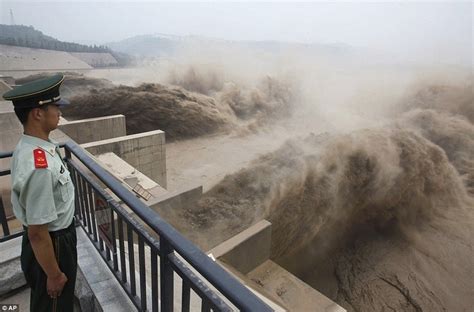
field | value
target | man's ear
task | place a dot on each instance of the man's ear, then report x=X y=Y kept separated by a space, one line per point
x=36 y=113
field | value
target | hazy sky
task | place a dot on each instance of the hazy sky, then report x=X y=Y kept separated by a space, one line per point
x=443 y=28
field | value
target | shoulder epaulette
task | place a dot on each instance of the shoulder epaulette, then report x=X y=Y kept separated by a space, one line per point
x=40 y=158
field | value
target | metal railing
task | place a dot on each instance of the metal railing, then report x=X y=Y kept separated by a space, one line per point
x=161 y=248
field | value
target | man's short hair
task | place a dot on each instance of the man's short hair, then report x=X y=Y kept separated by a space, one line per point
x=22 y=114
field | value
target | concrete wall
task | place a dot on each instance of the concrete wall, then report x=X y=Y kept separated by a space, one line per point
x=144 y=151
x=177 y=200
x=95 y=129
x=246 y=250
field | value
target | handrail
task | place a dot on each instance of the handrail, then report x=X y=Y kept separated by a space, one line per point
x=170 y=240
x=10 y=153
x=5 y=154
x=238 y=294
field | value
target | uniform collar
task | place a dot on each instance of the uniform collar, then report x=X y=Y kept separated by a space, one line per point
x=47 y=146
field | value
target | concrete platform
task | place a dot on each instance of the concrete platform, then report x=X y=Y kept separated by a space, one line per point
x=125 y=172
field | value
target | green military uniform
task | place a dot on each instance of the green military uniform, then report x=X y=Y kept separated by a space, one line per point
x=43 y=193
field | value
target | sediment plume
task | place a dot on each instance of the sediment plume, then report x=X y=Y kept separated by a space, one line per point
x=184 y=114
x=181 y=114
x=454 y=134
x=448 y=98
x=375 y=215
x=376 y=219
x=395 y=230
x=328 y=173
x=269 y=97
x=196 y=79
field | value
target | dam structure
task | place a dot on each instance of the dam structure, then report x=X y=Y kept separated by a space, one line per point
x=129 y=257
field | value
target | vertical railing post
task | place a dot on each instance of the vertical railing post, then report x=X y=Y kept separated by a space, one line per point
x=72 y=172
x=154 y=279
x=87 y=207
x=185 y=296
x=114 y=241
x=141 y=267
x=92 y=205
x=166 y=280
x=67 y=153
x=169 y=241
x=131 y=259
x=123 y=267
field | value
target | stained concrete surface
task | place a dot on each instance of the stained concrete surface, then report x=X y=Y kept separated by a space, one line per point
x=290 y=291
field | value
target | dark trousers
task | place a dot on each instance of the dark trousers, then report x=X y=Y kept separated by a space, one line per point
x=64 y=244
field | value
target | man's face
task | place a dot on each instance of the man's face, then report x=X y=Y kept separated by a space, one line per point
x=50 y=119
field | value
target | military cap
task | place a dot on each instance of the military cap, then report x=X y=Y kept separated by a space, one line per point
x=37 y=93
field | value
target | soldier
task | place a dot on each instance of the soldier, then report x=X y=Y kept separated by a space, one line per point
x=43 y=197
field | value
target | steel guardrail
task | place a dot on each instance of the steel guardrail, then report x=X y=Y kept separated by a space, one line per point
x=170 y=240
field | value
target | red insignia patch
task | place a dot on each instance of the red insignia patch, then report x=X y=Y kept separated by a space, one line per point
x=40 y=158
